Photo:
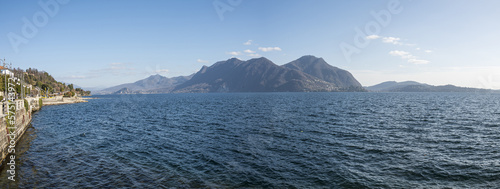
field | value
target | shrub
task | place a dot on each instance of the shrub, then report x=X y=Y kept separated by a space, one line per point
x=69 y=94
x=40 y=103
x=26 y=105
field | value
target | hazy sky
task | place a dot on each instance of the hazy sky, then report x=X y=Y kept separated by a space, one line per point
x=94 y=43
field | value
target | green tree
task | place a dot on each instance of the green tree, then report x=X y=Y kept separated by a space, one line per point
x=2 y=82
x=45 y=87
x=69 y=94
x=26 y=105
x=39 y=84
x=18 y=89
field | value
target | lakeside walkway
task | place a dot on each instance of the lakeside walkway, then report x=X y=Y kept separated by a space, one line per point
x=63 y=100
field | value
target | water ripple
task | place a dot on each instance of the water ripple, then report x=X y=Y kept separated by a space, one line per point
x=265 y=140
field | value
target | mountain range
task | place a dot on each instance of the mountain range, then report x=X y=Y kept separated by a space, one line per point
x=412 y=86
x=150 y=85
x=306 y=74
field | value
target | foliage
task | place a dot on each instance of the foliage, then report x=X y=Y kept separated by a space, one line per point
x=3 y=78
x=45 y=87
x=81 y=92
x=40 y=103
x=42 y=80
x=26 y=105
x=18 y=89
x=69 y=94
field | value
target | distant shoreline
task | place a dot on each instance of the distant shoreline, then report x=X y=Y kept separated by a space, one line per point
x=64 y=100
x=89 y=98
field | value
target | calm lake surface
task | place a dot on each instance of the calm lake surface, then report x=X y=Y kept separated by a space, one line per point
x=265 y=140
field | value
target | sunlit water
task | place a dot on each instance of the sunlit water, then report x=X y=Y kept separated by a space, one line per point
x=265 y=140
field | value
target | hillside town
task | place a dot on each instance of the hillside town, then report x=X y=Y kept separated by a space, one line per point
x=37 y=84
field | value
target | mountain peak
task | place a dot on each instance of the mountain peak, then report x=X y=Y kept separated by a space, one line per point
x=309 y=57
x=260 y=58
x=231 y=61
x=319 y=68
x=156 y=76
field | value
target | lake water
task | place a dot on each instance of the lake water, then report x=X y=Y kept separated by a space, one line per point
x=265 y=140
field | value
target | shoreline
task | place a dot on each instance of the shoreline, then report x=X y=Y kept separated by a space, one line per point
x=64 y=100
x=23 y=118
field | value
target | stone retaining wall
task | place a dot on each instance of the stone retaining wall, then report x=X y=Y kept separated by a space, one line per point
x=23 y=120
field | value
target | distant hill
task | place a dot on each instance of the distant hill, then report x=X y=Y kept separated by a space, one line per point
x=412 y=86
x=152 y=84
x=43 y=81
x=262 y=75
x=306 y=74
x=125 y=91
x=392 y=85
x=319 y=68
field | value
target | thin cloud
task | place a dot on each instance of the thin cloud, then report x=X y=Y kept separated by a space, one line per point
x=202 y=61
x=372 y=37
x=269 y=49
x=409 y=57
x=402 y=54
x=428 y=51
x=115 y=69
x=416 y=61
x=249 y=42
x=393 y=40
x=234 y=53
x=249 y=51
x=254 y=55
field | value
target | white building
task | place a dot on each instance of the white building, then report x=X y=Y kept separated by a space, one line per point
x=6 y=71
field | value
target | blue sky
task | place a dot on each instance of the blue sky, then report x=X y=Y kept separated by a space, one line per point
x=104 y=43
